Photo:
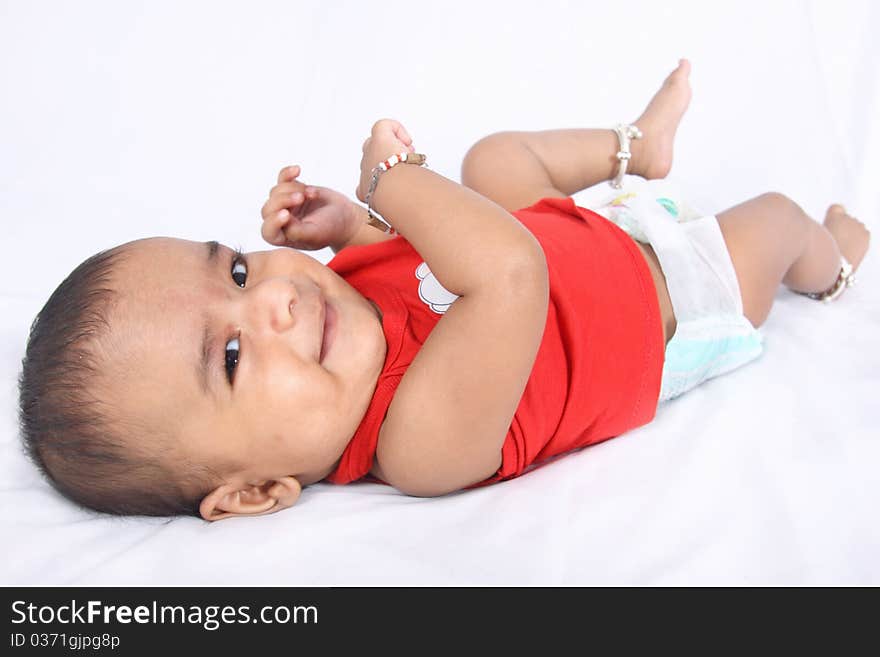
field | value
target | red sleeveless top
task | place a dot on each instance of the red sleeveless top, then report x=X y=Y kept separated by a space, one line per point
x=597 y=371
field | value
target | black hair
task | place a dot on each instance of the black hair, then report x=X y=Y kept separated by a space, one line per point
x=77 y=439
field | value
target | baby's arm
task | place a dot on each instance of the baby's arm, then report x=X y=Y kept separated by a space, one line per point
x=365 y=234
x=450 y=415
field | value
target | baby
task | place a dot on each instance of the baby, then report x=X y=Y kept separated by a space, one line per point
x=502 y=326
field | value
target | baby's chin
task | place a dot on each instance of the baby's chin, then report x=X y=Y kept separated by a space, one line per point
x=353 y=323
x=355 y=360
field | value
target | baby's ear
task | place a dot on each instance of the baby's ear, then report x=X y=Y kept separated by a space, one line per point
x=231 y=500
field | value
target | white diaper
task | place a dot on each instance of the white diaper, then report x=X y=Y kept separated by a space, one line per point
x=712 y=335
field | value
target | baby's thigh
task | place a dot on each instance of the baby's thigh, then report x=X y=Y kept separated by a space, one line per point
x=761 y=235
x=503 y=170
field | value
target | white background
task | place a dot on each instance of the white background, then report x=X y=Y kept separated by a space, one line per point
x=121 y=120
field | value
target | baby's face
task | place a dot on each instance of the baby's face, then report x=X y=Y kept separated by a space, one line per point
x=267 y=361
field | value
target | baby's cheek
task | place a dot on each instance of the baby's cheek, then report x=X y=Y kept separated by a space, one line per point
x=292 y=388
x=290 y=262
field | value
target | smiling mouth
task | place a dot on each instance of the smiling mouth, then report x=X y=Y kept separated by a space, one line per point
x=328 y=323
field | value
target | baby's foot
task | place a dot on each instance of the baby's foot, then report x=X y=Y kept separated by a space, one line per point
x=652 y=155
x=850 y=234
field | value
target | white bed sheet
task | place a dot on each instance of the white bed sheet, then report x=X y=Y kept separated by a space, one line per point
x=120 y=122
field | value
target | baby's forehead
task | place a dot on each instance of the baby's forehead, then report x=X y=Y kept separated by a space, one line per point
x=142 y=251
x=161 y=262
x=160 y=285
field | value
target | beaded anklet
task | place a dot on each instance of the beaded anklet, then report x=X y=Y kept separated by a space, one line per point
x=625 y=133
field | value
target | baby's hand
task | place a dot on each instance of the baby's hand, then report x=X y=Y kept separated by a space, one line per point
x=387 y=138
x=306 y=217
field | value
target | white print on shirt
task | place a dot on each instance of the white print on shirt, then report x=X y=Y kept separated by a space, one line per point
x=431 y=292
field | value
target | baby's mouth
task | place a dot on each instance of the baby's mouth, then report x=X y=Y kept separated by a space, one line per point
x=328 y=329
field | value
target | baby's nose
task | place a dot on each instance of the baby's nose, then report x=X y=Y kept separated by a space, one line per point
x=274 y=302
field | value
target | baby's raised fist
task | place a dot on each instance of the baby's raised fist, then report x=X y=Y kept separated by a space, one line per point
x=387 y=138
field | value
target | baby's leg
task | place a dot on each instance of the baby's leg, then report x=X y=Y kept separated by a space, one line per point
x=771 y=240
x=515 y=169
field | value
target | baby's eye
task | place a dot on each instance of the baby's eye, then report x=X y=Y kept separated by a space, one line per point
x=231 y=359
x=239 y=271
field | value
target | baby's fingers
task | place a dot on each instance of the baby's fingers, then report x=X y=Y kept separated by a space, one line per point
x=285 y=195
x=277 y=203
x=289 y=173
x=273 y=228
x=401 y=133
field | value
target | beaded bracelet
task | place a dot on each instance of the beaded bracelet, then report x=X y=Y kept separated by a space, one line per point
x=373 y=219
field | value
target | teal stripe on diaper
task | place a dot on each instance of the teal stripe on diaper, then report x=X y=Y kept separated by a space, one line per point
x=669 y=205
x=686 y=355
x=690 y=362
